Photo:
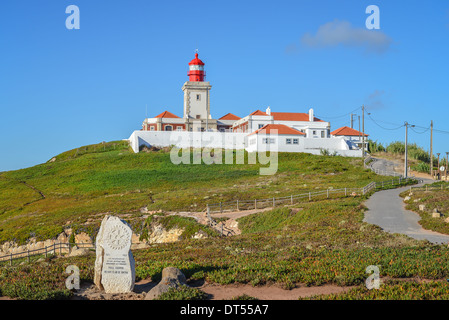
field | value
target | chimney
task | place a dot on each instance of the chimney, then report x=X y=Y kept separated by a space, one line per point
x=268 y=111
x=311 y=117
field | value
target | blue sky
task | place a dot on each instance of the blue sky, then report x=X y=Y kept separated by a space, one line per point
x=61 y=89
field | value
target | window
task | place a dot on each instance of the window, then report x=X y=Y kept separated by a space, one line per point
x=322 y=134
x=261 y=126
x=288 y=141
x=314 y=132
x=198 y=97
x=295 y=141
x=151 y=128
x=268 y=140
x=179 y=128
x=168 y=128
x=252 y=141
x=198 y=116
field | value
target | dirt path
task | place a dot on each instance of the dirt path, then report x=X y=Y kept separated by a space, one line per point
x=270 y=292
x=230 y=226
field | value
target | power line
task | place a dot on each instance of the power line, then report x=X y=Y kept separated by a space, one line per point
x=341 y=116
x=427 y=129
x=369 y=115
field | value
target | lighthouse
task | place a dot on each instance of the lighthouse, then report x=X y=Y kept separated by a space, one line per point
x=197 y=98
x=196 y=70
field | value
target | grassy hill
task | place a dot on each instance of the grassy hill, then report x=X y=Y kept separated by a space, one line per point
x=110 y=178
x=310 y=243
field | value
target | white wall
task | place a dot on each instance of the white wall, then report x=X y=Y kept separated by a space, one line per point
x=186 y=139
x=238 y=141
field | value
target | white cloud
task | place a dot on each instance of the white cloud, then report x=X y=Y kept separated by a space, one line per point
x=337 y=33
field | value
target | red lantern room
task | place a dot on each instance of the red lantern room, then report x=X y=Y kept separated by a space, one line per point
x=196 y=69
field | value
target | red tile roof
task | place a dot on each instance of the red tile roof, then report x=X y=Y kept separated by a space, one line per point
x=258 y=113
x=292 y=116
x=166 y=114
x=229 y=116
x=346 y=131
x=281 y=129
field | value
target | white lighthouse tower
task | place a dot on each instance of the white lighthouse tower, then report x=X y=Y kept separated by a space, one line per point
x=197 y=99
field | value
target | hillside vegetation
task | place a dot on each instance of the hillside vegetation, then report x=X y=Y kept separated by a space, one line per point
x=109 y=178
x=309 y=243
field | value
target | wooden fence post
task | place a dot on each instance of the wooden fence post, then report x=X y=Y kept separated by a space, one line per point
x=274 y=203
x=238 y=208
x=328 y=193
x=255 y=203
x=221 y=208
x=291 y=199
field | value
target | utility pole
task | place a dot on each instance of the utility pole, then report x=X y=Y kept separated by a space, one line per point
x=360 y=138
x=431 y=149
x=447 y=164
x=363 y=132
x=405 y=169
x=352 y=121
x=406 y=153
x=439 y=175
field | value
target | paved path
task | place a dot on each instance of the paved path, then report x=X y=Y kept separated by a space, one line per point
x=387 y=210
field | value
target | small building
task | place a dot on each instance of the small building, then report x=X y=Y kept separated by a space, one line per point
x=278 y=136
x=225 y=123
x=304 y=122
x=354 y=137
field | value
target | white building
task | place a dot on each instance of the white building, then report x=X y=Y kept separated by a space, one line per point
x=296 y=132
x=352 y=136
x=304 y=122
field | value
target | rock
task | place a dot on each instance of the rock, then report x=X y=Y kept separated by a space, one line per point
x=114 y=264
x=407 y=198
x=76 y=252
x=446 y=220
x=422 y=207
x=436 y=213
x=160 y=235
x=83 y=238
x=144 y=210
x=171 y=278
x=200 y=235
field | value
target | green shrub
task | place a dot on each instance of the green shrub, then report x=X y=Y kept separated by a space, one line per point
x=183 y=293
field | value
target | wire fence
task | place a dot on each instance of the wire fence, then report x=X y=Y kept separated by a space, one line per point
x=239 y=205
x=53 y=249
x=430 y=188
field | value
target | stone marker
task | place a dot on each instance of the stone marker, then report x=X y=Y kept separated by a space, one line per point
x=171 y=278
x=114 y=265
x=422 y=207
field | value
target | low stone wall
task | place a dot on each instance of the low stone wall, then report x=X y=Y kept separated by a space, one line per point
x=158 y=235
